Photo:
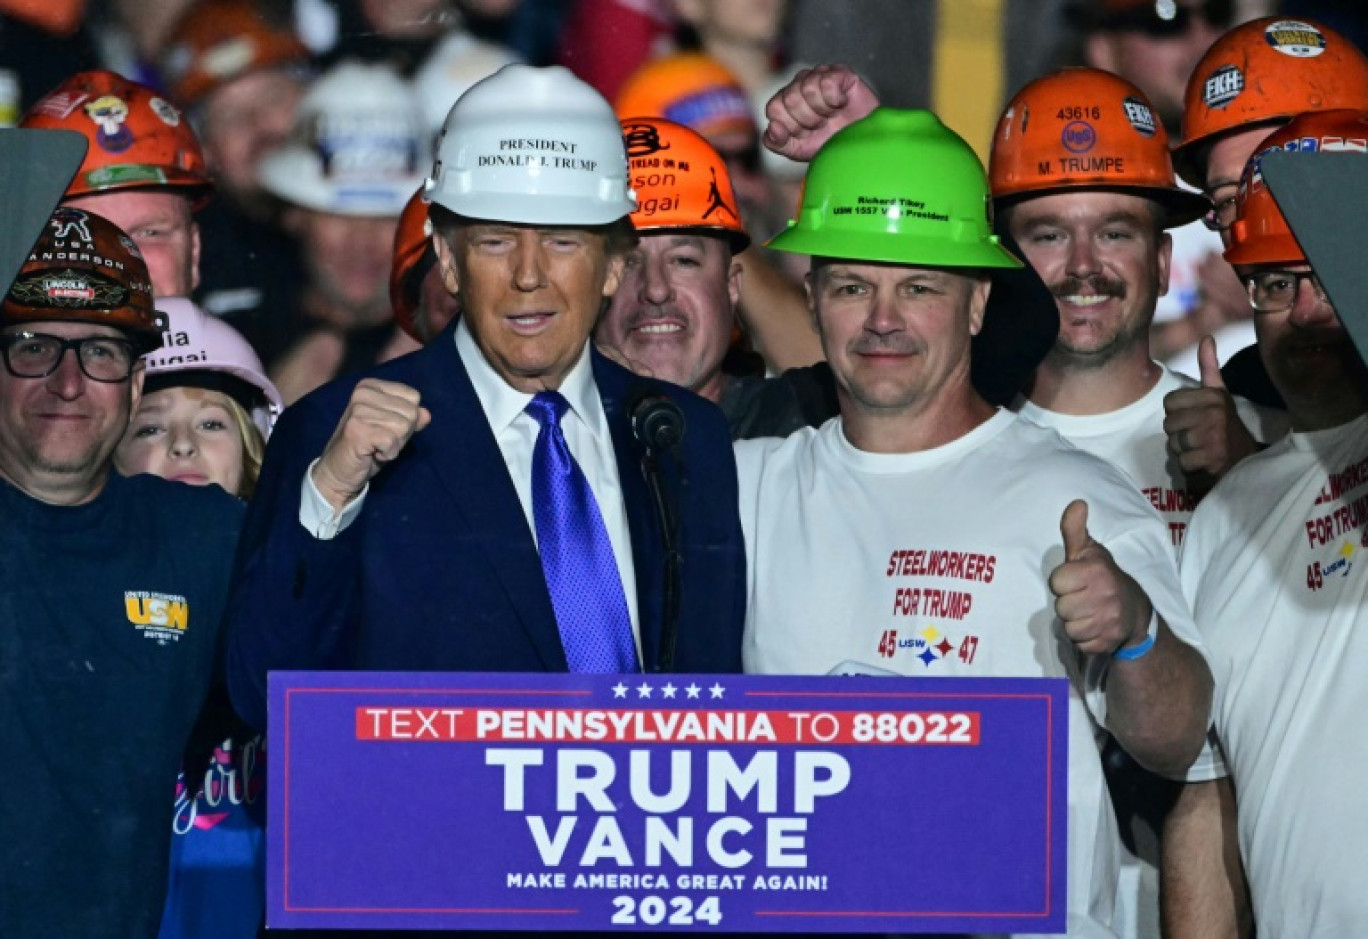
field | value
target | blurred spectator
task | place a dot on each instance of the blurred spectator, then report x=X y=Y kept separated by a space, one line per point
x=458 y=61
x=241 y=76
x=701 y=93
x=422 y=305
x=40 y=45
x=359 y=150
x=143 y=169
x=605 y=41
x=741 y=34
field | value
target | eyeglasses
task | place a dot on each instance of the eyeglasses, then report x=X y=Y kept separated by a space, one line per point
x=37 y=355
x=1276 y=291
x=1166 y=18
x=1221 y=215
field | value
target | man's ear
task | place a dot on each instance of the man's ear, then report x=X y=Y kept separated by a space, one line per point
x=446 y=264
x=978 y=303
x=617 y=264
x=194 y=255
x=135 y=386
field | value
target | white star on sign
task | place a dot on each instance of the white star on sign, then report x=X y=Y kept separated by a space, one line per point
x=669 y=690
x=619 y=690
x=644 y=690
x=716 y=690
x=693 y=690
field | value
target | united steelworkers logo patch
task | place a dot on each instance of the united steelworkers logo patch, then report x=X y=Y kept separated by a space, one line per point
x=161 y=617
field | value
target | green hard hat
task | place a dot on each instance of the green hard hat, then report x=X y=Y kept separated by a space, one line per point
x=900 y=187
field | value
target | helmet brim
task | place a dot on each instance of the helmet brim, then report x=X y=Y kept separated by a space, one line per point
x=883 y=247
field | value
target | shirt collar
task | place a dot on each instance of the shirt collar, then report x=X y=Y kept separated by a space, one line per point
x=503 y=404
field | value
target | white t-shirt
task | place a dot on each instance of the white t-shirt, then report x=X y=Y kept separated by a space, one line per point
x=1132 y=438
x=936 y=563
x=1276 y=568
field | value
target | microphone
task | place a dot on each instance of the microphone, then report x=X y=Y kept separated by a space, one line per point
x=658 y=423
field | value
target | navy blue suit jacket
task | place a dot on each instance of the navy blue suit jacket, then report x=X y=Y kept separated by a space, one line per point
x=440 y=571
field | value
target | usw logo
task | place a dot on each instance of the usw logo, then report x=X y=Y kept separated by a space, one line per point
x=159 y=616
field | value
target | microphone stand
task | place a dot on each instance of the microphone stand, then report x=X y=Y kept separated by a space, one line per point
x=669 y=536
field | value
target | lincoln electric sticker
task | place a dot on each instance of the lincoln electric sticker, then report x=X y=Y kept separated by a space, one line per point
x=695 y=803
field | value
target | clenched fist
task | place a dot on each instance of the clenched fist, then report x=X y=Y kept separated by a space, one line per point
x=819 y=101
x=378 y=422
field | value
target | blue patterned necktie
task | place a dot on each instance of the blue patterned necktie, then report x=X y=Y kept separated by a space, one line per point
x=576 y=555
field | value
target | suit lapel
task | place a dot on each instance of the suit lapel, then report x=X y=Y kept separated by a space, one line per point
x=618 y=388
x=460 y=448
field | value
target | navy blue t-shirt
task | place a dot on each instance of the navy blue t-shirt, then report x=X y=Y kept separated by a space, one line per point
x=109 y=629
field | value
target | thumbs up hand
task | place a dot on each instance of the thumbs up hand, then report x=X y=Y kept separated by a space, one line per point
x=1204 y=430
x=1101 y=606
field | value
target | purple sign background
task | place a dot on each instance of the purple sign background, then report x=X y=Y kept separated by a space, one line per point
x=752 y=804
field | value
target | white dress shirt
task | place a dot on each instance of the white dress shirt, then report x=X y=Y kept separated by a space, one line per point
x=585 y=427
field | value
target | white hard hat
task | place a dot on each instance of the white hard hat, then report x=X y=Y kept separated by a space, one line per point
x=359 y=145
x=459 y=61
x=196 y=347
x=535 y=146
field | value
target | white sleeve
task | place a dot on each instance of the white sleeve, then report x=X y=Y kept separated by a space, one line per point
x=318 y=517
x=1210 y=763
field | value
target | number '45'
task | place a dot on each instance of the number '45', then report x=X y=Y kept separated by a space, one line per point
x=1314 y=579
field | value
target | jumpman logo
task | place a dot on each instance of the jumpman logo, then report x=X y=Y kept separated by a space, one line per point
x=715 y=200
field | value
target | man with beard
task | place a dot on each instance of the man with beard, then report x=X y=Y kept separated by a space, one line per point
x=1274 y=569
x=358 y=153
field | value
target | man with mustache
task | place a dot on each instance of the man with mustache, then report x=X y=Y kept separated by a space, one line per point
x=919 y=532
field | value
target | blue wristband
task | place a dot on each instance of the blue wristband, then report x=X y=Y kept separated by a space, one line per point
x=1134 y=652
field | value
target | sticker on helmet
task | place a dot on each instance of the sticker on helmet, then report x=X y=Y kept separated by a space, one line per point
x=70 y=224
x=715 y=201
x=109 y=112
x=1078 y=137
x=1223 y=86
x=109 y=176
x=642 y=140
x=68 y=289
x=1140 y=116
x=166 y=111
x=1295 y=38
x=60 y=104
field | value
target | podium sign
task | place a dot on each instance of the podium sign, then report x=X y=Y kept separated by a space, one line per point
x=722 y=803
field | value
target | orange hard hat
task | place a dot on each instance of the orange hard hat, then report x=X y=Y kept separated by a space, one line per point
x=1260 y=234
x=680 y=181
x=220 y=40
x=413 y=258
x=690 y=89
x=1083 y=128
x=1263 y=72
x=137 y=139
x=84 y=269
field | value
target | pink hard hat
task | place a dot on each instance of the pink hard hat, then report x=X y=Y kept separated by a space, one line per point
x=201 y=351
